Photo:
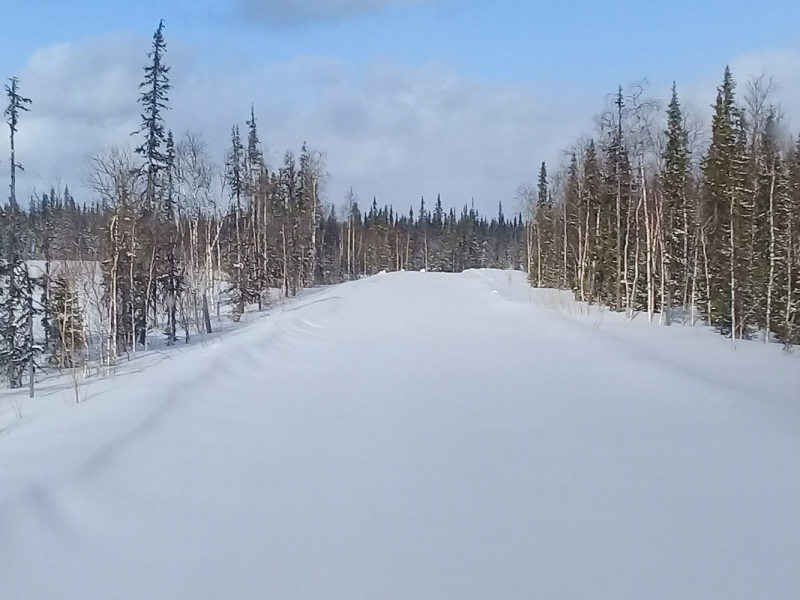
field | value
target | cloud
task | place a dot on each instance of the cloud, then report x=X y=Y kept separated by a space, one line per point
x=399 y=134
x=84 y=99
x=389 y=132
x=301 y=11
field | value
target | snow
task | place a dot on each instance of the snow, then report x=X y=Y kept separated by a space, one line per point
x=414 y=436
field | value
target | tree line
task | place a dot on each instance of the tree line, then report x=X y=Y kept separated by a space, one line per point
x=650 y=215
x=662 y=219
x=169 y=237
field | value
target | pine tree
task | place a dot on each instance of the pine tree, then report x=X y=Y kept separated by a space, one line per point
x=45 y=236
x=255 y=157
x=171 y=279
x=790 y=253
x=143 y=251
x=621 y=173
x=676 y=209
x=154 y=100
x=16 y=105
x=307 y=218
x=594 y=255
x=256 y=213
x=235 y=176
x=570 y=221
x=724 y=212
x=543 y=245
x=17 y=310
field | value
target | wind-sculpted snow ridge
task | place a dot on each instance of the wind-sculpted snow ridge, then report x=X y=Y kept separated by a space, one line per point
x=418 y=436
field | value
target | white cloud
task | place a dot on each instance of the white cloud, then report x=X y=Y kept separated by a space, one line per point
x=298 y=11
x=79 y=105
x=389 y=132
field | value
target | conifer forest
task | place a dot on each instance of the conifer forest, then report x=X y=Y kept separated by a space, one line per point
x=653 y=214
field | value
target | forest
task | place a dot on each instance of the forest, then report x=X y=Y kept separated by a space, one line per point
x=651 y=215
x=169 y=236
x=667 y=220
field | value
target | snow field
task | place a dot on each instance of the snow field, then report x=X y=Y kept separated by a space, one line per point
x=417 y=436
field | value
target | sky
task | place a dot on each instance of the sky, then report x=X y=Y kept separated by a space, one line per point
x=405 y=98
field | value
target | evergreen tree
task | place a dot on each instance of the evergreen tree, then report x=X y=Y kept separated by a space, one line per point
x=171 y=279
x=255 y=157
x=615 y=194
x=722 y=218
x=154 y=100
x=790 y=252
x=235 y=176
x=676 y=209
x=17 y=310
x=542 y=247
x=16 y=104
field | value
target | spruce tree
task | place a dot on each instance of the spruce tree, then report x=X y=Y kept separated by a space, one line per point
x=621 y=170
x=571 y=222
x=17 y=309
x=675 y=207
x=16 y=104
x=145 y=220
x=791 y=251
x=235 y=177
x=722 y=215
x=255 y=157
x=154 y=101
x=542 y=229
x=594 y=262
x=255 y=176
x=171 y=279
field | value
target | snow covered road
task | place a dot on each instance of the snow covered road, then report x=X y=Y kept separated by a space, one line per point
x=418 y=436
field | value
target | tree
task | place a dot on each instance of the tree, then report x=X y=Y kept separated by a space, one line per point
x=541 y=225
x=676 y=210
x=67 y=333
x=17 y=310
x=154 y=100
x=235 y=177
x=171 y=280
x=768 y=267
x=790 y=252
x=16 y=105
x=723 y=183
x=113 y=177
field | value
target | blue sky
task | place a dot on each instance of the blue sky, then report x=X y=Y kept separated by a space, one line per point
x=561 y=57
x=573 y=42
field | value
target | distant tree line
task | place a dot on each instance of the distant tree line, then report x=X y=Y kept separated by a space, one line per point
x=659 y=218
x=169 y=236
